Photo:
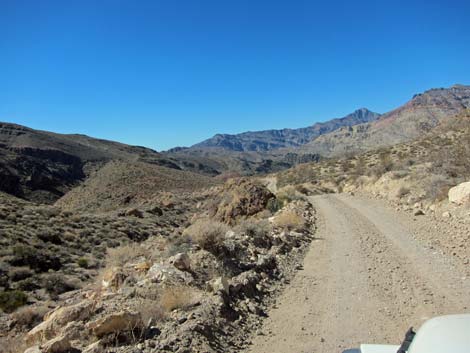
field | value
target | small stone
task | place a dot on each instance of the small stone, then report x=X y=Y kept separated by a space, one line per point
x=181 y=261
x=219 y=284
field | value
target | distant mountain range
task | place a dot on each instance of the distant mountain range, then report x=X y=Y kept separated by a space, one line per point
x=43 y=166
x=261 y=141
x=358 y=131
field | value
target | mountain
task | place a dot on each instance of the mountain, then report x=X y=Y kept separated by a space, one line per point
x=415 y=118
x=263 y=151
x=42 y=166
x=261 y=141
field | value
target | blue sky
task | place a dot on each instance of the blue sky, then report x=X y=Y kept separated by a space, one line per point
x=167 y=73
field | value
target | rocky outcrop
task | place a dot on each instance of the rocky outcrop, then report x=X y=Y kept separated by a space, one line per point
x=192 y=300
x=240 y=198
x=56 y=320
x=166 y=273
x=59 y=344
x=115 y=322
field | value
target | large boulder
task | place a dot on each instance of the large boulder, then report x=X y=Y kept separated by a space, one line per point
x=239 y=198
x=115 y=322
x=56 y=320
x=460 y=194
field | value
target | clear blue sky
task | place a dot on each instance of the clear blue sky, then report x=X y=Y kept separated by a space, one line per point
x=174 y=72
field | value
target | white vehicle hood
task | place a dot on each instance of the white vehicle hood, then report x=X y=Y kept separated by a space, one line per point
x=378 y=348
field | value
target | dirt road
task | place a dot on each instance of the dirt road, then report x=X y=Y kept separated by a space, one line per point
x=365 y=279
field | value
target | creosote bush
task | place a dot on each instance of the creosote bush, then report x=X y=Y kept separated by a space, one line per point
x=82 y=262
x=56 y=284
x=12 y=300
x=208 y=234
x=274 y=205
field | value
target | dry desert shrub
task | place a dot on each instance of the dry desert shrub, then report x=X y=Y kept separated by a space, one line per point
x=151 y=311
x=118 y=257
x=175 y=298
x=437 y=188
x=254 y=229
x=12 y=300
x=208 y=234
x=28 y=317
x=287 y=194
x=290 y=220
x=257 y=230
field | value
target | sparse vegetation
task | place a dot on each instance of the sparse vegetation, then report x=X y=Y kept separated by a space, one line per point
x=175 y=298
x=290 y=221
x=257 y=230
x=28 y=317
x=208 y=234
x=12 y=300
x=83 y=262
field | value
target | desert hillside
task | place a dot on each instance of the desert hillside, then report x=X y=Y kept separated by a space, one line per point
x=107 y=247
x=415 y=118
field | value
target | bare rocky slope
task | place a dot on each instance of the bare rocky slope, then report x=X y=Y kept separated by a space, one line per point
x=176 y=275
x=42 y=166
x=417 y=117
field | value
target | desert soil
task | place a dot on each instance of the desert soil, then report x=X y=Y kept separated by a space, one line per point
x=365 y=279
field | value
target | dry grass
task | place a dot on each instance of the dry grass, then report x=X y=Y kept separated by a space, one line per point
x=117 y=257
x=258 y=231
x=28 y=317
x=290 y=220
x=287 y=194
x=209 y=235
x=175 y=298
x=151 y=311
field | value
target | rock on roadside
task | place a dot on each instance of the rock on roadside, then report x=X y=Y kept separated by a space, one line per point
x=460 y=194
